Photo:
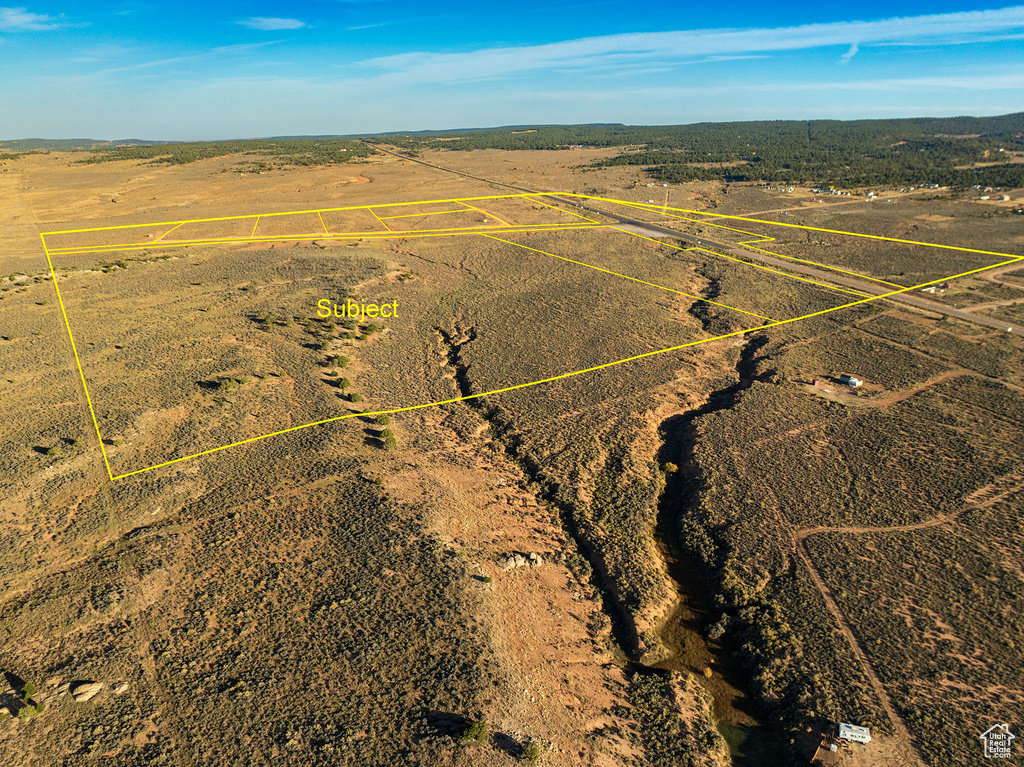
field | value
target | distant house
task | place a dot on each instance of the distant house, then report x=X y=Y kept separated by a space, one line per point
x=850 y=381
x=854 y=733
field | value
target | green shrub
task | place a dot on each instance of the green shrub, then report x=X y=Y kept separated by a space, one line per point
x=28 y=690
x=27 y=712
x=344 y=383
x=475 y=731
x=382 y=420
x=53 y=451
x=390 y=444
x=530 y=752
x=355 y=397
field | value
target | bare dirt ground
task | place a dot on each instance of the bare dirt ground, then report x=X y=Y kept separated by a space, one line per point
x=560 y=682
x=557 y=680
x=560 y=678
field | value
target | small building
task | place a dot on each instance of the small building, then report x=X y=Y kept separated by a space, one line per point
x=850 y=381
x=854 y=733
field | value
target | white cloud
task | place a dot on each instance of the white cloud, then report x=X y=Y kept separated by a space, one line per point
x=661 y=47
x=218 y=52
x=369 y=26
x=845 y=58
x=14 y=19
x=266 y=24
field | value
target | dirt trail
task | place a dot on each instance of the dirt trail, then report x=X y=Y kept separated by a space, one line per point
x=997 y=304
x=941 y=360
x=994 y=273
x=798 y=207
x=906 y=751
x=941 y=519
x=891 y=397
x=985 y=497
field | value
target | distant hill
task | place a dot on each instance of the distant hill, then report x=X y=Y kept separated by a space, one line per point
x=948 y=151
x=70 y=144
x=458 y=131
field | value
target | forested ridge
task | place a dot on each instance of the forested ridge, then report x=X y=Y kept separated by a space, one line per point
x=954 y=151
x=827 y=152
x=265 y=153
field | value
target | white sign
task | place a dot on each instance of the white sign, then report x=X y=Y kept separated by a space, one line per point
x=996 y=741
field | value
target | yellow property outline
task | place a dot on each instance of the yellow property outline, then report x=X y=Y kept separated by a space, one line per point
x=481 y=230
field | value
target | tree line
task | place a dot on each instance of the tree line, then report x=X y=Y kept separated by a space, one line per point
x=302 y=152
x=944 y=151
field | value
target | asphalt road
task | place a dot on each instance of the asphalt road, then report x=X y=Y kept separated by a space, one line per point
x=913 y=298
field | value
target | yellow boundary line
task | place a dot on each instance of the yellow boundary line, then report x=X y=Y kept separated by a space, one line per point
x=417 y=215
x=78 y=361
x=559 y=377
x=1012 y=258
x=164 y=235
x=301 y=212
x=798 y=226
x=381 y=220
x=488 y=213
x=761 y=238
x=764 y=268
x=563 y=210
x=389 y=235
x=627 y=277
x=253 y=232
x=748 y=263
x=320 y=216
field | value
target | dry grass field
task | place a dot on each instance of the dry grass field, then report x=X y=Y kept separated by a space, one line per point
x=349 y=593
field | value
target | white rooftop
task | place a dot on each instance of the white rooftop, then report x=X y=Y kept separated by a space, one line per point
x=853 y=732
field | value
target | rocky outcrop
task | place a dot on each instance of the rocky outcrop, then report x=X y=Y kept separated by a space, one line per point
x=83 y=691
x=533 y=559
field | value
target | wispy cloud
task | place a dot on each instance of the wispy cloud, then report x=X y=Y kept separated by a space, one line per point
x=370 y=26
x=845 y=58
x=20 y=19
x=663 y=47
x=221 y=50
x=267 y=24
x=100 y=53
x=1004 y=81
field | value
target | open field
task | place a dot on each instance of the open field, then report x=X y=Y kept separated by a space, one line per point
x=343 y=594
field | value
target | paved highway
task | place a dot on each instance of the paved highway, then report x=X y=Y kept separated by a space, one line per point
x=653 y=230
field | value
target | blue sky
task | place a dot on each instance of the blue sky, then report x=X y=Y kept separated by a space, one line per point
x=230 y=70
